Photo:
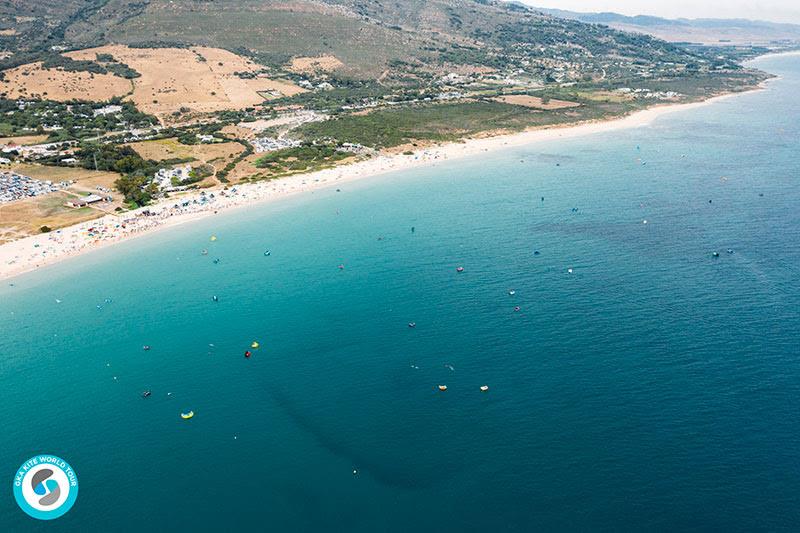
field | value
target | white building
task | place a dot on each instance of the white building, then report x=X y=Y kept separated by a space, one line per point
x=108 y=110
x=164 y=177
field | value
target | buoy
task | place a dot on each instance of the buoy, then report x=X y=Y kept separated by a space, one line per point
x=247 y=354
x=442 y=387
x=188 y=415
x=484 y=388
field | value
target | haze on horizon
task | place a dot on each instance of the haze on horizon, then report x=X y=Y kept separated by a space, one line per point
x=772 y=10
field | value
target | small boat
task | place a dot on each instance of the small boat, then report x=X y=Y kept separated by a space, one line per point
x=341 y=267
x=730 y=251
x=214 y=298
x=204 y=252
x=146 y=348
x=484 y=388
x=442 y=388
x=715 y=254
x=267 y=253
x=517 y=309
x=213 y=238
x=569 y=271
x=536 y=252
x=216 y=261
x=255 y=345
x=412 y=324
x=187 y=415
x=460 y=269
x=512 y=292
x=146 y=394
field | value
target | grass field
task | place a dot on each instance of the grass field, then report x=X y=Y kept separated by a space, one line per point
x=385 y=128
x=535 y=102
x=165 y=149
x=23 y=140
x=28 y=81
x=273 y=32
x=199 y=79
x=26 y=217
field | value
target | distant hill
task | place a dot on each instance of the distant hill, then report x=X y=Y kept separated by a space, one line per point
x=703 y=31
x=390 y=40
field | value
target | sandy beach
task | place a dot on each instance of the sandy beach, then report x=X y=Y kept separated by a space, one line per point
x=30 y=253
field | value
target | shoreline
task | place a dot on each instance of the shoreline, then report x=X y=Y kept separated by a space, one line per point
x=37 y=251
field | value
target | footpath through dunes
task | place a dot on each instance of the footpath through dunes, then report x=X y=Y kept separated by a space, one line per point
x=200 y=79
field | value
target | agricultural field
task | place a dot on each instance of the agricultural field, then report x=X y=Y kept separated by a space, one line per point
x=170 y=80
x=35 y=81
x=198 y=79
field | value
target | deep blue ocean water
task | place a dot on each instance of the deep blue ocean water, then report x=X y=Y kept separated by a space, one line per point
x=654 y=388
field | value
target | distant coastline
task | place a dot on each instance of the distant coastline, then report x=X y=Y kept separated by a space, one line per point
x=30 y=253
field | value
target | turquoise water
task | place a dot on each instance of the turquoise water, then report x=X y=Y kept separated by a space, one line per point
x=654 y=388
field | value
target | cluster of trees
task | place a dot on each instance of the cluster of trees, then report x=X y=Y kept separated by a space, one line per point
x=105 y=64
x=301 y=157
x=76 y=119
x=136 y=181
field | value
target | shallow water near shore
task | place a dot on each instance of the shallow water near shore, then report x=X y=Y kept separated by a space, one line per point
x=654 y=387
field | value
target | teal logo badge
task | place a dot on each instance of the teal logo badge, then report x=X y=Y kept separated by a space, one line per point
x=45 y=487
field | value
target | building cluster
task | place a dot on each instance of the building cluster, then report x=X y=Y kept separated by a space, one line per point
x=650 y=95
x=270 y=144
x=15 y=186
x=169 y=179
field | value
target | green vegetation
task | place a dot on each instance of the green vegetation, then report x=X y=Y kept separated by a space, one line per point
x=302 y=158
x=71 y=120
x=435 y=122
x=222 y=175
x=137 y=172
x=105 y=64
